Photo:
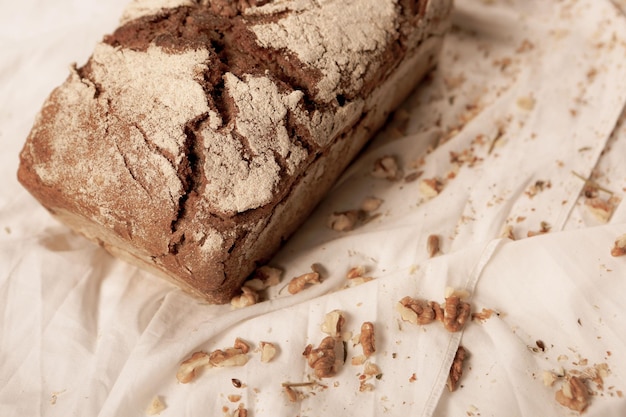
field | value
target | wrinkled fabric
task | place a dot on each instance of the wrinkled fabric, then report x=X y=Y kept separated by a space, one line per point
x=525 y=105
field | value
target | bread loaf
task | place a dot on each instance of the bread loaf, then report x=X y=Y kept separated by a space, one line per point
x=200 y=134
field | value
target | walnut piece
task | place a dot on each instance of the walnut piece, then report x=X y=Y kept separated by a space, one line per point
x=241 y=345
x=549 y=378
x=370 y=204
x=344 y=221
x=601 y=208
x=268 y=351
x=483 y=315
x=247 y=298
x=323 y=358
x=187 y=370
x=356 y=272
x=455 y=313
x=264 y=277
x=371 y=369
x=573 y=394
x=241 y=411
x=155 y=407
x=456 y=370
x=333 y=323
x=418 y=311
x=367 y=339
x=228 y=357
x=432 y=246
x=386 y=168
x=431 y=187
x=619 y=249
x=297 y=284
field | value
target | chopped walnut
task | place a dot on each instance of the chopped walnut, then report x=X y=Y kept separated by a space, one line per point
x=323 y=358
x=619 y=249
x=268 y=351
x=241 y=345
x=413 y=176
x=456 y=370
x=155 y=407
x=459 y=292
x=455 y=313
x=297 y=284
x=483 y=315
x=549 y=378
x=358 y=360
x=431 y=187
x=432 y=246
x=507 y=232
x=417 y=311
x=371 y=204
x=371 y=369
x=367 y=339
x=264 y=277
x=356 y=276
x=365 y=386
x=229 y=357
x=333 y=323
x=356 y=272
x=187 y=370
x=537 y=187
x=573 y=394
x=345 y=221
x=601 y=208
x=247 y=298
x=241 y=411
x=386 y=168
x=234 y=398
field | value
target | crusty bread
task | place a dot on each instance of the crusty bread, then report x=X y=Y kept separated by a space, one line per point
x=199 y=135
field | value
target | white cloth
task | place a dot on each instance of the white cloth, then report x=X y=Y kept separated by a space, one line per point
x=84 y=334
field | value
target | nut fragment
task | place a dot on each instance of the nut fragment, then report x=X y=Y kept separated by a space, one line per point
x=601 y=208
x=356 y=272
x=386 y=168
x=619 y=249
x=241 y=345
x=371 y=369
x=297 y=284
x=187 y=370
x=241 y=411
x=268 y=351
x=333 y=323
x=367 y=339
x=155 y=407
x=371 y=204
x=431 y=187
x=264 y=277
x=456 y=370
x=323 y=358
x=417 y=311
x=344 y=221
x=537 y=187
x=247 y=298
x=228 y=357
x=573 y=394
x=432 y=246
x=455 y=313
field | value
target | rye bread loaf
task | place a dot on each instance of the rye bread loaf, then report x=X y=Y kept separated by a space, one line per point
x=200 y=134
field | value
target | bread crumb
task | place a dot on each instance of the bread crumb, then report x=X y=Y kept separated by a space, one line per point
x=156 y=406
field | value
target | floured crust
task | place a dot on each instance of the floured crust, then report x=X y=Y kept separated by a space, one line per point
x=199 y=136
